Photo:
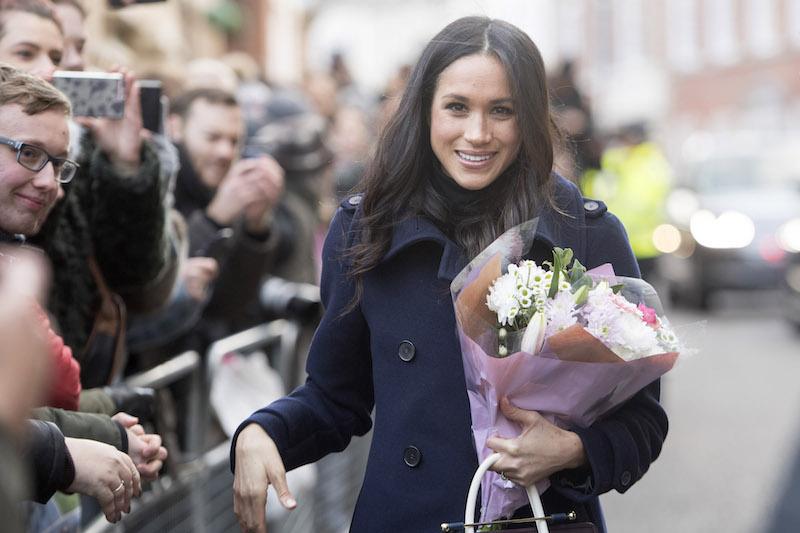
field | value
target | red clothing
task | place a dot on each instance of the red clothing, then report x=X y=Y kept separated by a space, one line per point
x=65 y=387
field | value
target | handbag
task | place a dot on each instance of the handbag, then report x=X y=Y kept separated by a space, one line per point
x=105 y=355
x=468 y=526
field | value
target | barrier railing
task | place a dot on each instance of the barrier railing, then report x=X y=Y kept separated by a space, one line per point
x=198 y=496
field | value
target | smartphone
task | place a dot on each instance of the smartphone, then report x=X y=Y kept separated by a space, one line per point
x=116 y=4
x=92 y=94
x=154 y=105
x=218 y=248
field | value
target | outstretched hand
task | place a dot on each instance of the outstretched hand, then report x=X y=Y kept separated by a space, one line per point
x=541 y=449
x=258 y=465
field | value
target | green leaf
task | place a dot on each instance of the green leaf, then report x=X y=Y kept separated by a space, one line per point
x=576 y=272
x=554 y=283
x=616 y=288
x=581 y=295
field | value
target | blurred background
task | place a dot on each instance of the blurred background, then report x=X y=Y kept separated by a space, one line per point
x=682 y=115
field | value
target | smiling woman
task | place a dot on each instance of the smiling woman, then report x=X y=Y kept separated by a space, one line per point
x=467 y=155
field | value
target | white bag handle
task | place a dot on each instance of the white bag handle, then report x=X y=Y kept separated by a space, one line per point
x=533 y=497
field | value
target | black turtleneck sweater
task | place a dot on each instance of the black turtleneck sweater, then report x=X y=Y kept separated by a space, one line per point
x=459 y=204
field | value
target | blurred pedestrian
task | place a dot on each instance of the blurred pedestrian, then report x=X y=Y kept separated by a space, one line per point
x=228 y=203
x=634 y=180
x=468 y=155
x=574 y=117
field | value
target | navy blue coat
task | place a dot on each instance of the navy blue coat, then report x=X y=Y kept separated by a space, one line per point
x=398 y=353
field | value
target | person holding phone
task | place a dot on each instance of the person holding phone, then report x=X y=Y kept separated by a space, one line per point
x=113 y=212
x=101 y=457
x=228 y=203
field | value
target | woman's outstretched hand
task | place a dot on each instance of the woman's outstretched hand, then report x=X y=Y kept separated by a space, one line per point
x=539 y=451
x=258 y=465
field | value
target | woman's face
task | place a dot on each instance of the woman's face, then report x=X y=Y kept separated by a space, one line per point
x=31 y=43
x=474 y=131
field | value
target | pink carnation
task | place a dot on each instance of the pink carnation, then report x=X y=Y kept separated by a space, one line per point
x=648 y=315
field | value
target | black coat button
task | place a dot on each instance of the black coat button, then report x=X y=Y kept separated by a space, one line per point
x=406 y=351
x=412 y=456
x=625 y=478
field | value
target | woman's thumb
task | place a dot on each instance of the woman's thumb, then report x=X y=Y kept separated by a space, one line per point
x=282 y=490
x=512 y=412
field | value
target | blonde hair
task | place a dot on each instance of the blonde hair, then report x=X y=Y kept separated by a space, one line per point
x=34 y=94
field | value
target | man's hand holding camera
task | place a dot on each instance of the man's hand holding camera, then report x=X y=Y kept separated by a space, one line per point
x=251 y=190
x=121 y=139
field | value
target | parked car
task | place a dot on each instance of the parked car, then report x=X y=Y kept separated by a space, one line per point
x=734 y=221
x=791 y=293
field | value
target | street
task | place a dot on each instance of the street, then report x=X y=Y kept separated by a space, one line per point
x=734 y=413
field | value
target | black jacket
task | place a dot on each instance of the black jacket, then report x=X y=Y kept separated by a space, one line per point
x=51 y=463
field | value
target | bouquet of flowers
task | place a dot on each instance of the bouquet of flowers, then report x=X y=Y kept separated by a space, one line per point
x=555 y=338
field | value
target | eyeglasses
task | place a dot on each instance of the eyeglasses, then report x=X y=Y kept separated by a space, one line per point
x=35 y=159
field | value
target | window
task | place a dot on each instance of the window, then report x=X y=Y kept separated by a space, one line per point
x=720 y=31
x=628 y=32
x=682 y=33
x=761 y=27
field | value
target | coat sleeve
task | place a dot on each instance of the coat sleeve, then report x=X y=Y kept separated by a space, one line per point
x=130 y=230
x=51 y=463
x=335 y=403
x=621 y=446
x=80 y=425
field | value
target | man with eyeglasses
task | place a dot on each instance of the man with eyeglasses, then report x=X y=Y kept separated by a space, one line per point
x=34 y=135
x=34 y=138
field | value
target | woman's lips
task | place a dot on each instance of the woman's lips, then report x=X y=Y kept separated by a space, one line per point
x=474 y=159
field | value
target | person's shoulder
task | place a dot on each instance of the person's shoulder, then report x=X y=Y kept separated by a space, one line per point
x=349 y=207
x=594 y=209
x=571 y=200
x=351 y=202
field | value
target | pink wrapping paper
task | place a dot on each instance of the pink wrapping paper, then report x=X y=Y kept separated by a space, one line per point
x=574 y=380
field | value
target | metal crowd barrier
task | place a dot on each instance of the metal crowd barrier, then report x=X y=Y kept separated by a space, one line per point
x=198 y=496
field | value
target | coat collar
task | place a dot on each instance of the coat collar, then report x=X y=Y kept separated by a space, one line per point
x=554 y=229
x=415 y=229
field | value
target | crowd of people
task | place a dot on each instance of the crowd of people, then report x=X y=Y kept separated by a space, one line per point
x=123 y=246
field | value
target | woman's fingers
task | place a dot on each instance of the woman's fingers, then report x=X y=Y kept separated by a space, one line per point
x=258 y=465
x=250 y=498
x=278 y=480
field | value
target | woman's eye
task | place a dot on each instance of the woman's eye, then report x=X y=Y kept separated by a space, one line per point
x=456 y=106
x=502 y=110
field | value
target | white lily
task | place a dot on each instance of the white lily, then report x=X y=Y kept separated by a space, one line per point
x=533 y=339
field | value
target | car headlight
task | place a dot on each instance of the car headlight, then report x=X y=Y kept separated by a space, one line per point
x=681 y=205
x=667 y=238
x=789 y=236
x=729 y=230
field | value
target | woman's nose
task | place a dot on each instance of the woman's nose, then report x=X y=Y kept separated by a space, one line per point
x=478 y=130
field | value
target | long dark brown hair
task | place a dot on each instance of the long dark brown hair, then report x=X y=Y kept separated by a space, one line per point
x=397 y=182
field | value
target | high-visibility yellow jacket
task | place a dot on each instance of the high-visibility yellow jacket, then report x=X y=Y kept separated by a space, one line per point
x=634 y=182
